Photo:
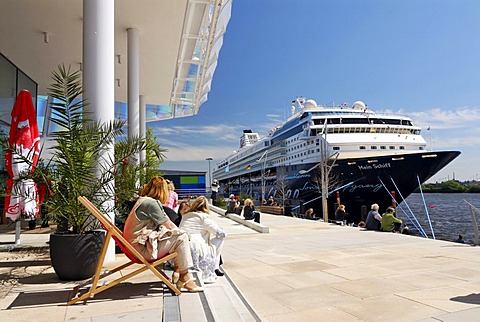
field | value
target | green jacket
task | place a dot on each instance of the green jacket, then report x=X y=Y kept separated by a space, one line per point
x=388 y=222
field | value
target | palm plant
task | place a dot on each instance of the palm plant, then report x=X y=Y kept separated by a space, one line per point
x=81 y=162
x=130 y=174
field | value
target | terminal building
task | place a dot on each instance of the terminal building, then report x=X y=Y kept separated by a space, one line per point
x=188 y=184
x=140 y=61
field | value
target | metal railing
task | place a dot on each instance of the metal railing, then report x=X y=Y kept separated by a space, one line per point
x=473 y=210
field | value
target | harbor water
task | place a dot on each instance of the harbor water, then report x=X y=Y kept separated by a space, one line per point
x=449 y=214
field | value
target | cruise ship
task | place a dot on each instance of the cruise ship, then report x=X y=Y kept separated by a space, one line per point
x=351 y=155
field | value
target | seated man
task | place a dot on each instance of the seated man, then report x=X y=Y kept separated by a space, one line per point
x=271 y=201
x=389 y=221
x=374 y=220
x=231 y=204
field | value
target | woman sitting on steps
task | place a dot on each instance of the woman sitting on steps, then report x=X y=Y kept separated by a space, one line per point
x=206 y=239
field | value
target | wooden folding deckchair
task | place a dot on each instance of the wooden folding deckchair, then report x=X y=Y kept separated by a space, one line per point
x=133 y=255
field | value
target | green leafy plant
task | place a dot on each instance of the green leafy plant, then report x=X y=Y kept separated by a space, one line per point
x=130 y=174
x=82 y=162
x=220 y=202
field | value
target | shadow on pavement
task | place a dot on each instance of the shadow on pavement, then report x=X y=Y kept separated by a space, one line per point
x=473 y=298
x=44 y=278
x=123 y=291
x=29 y=263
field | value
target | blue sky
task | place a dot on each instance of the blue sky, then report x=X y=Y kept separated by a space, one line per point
x=417 y=57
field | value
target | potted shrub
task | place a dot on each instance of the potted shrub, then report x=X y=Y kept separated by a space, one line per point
x=78 y=167
x=130 y=173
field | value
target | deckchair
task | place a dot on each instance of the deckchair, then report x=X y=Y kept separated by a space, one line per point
x=133 y=255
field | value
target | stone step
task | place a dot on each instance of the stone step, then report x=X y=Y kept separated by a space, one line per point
x=221 y=301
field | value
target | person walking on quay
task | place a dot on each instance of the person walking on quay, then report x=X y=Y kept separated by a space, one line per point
x=214 y=191
x=390 y=222
x=374 y=220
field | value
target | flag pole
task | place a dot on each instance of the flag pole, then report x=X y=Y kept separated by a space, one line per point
x=430 y=138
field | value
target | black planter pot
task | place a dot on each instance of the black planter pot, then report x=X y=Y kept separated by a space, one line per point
x=75 y=256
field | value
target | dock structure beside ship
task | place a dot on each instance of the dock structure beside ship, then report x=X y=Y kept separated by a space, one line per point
x=322 y=156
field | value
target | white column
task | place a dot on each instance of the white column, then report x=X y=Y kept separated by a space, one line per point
x=98 y=57
x=98 y=73
x=133 y=81
x=143 y=124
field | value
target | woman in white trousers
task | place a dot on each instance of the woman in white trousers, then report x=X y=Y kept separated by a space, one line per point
x=206 y=239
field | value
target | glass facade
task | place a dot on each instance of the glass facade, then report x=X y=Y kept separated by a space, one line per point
x=12 y=81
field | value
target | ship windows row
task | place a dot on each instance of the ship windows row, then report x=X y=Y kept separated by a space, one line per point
x=363 y=120
x=295 y=147
x=367 y=130
x=382 y=147
x=374 y=147
x=361 y=147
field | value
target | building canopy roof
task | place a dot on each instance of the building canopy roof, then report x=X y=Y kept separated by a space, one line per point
x=179 y=45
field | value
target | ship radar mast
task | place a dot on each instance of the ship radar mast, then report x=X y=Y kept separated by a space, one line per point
x=297 y=101
x=359 y=105
x=310 y=104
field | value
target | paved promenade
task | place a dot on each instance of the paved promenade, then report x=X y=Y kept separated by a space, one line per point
x=300 y=271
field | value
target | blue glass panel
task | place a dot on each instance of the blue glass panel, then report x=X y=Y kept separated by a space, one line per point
x=121 y=111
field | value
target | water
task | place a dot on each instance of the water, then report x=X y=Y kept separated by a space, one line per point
x=449 y=214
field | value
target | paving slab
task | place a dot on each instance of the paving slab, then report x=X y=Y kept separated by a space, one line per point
x=304 y=270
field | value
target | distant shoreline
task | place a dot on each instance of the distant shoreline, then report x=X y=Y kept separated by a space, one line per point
x=446 y=191
x=451 y=186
